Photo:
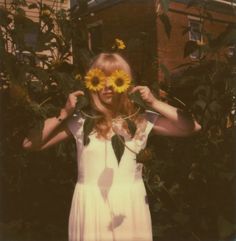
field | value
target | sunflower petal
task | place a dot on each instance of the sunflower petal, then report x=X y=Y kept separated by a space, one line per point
x=120 y=81
x=95 y=80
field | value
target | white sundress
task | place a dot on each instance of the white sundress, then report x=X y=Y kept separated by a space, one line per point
x=109 y=201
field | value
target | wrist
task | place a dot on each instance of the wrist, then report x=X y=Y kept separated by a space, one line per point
x=154 y=103
x=63 y=115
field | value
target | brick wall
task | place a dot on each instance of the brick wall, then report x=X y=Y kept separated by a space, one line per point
x=170 y=51
x=135 y=22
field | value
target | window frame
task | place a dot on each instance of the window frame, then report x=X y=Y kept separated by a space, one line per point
x=191 y=19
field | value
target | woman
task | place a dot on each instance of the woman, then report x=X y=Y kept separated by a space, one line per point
x=109 y=201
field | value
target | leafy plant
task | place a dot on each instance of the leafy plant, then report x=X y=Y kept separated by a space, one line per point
x=190 y=186
x=190 y=181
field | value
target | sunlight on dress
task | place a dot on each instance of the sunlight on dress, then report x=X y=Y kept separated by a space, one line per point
x=110 y=200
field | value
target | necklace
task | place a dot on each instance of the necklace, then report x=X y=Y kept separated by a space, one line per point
x=113 y=119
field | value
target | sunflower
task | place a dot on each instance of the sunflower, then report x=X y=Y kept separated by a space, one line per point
x=95 y=79
x=78 y=77
x=120 y=81
x=119 y=44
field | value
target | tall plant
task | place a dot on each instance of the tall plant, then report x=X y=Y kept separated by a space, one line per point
x=192 y=184
x=36 y=58
x=36 y=76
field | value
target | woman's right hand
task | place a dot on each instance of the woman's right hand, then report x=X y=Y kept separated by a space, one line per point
x=70 y=104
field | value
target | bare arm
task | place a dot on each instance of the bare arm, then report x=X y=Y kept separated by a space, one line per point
x=173 y=122
x=54 y=130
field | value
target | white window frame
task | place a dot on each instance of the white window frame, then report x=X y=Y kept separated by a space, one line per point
x=196 y=20
x=231 y=50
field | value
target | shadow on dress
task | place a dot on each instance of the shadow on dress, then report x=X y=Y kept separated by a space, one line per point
x=117 y=220
x=105 y=181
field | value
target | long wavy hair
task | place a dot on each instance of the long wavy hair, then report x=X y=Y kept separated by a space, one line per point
x=121 y=104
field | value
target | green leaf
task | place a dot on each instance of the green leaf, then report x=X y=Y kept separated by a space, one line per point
x=136 y=98
x=200 y=104
x=87 y=129
x=186 y=30
x=132 y=127
x=190 y=47
x=165 y=71
x=165 y=5
x=225 y=227
x=44 y=41
x=229 y=176
x=33 y=6
x=2 y=46
x=225 y=38
x=4 y=19
x=20 y=11
x=83 y=5
x=25 y=24
x=166 y=22
x=64 y=67
x=65 y=80
x=231 y=37
x=40 y=73
x=82 y=102
x=181 y=218
x=117 y=142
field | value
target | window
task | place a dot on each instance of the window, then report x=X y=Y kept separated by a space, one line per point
x=30 y=39
x=195 y=34
x=231 y=53
x=95 y=38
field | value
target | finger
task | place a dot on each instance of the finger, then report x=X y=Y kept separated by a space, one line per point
x=139 y=87
x=144 y=95
x=143 y=90
x=78 y=93
x=73 y=99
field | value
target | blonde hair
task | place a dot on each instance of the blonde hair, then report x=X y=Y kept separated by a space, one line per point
x=121 y=104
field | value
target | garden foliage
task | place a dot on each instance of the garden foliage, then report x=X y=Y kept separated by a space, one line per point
x=190 y=181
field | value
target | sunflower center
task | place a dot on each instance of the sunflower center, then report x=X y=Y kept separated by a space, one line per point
x=95 y=81
x=119 y=82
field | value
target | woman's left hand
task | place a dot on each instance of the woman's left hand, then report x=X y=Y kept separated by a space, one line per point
x=145 y=93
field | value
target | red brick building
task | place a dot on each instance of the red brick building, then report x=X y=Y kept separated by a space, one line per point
x=136 y=22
